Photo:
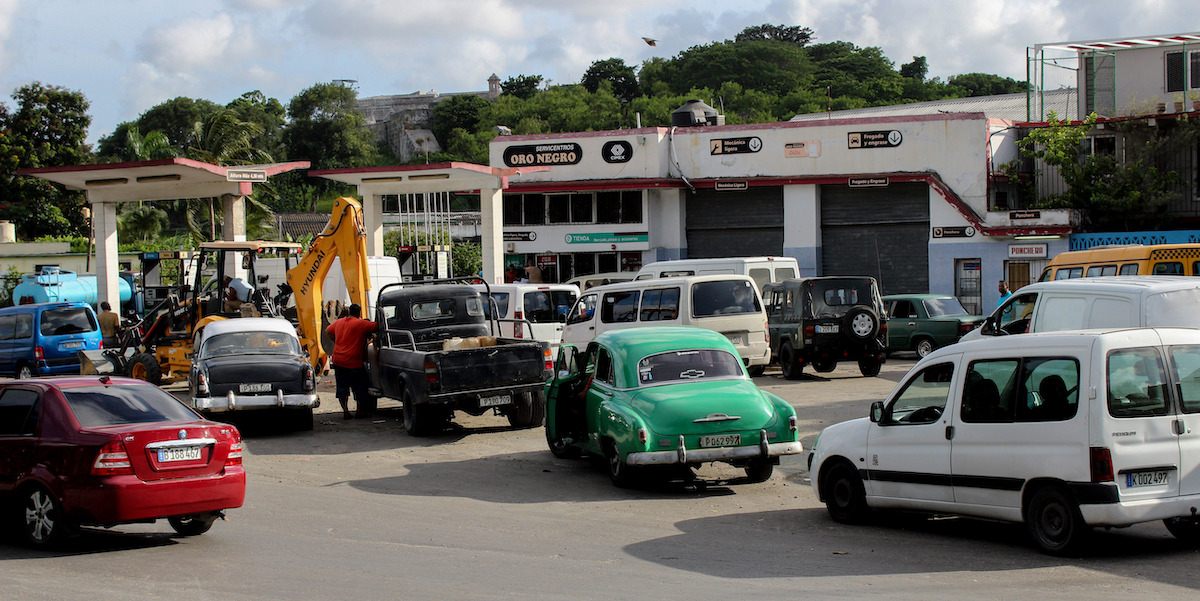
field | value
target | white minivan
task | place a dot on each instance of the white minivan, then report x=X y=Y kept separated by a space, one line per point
x=729 y=304
x=1064 y=431
x=763 y=270
x=1099 y=302
x=543 y=307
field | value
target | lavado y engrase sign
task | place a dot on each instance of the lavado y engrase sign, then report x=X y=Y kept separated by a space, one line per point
x=568 y=153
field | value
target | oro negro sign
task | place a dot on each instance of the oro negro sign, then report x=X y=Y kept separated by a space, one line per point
x=567 y=153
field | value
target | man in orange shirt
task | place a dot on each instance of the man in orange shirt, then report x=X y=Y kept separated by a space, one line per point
x=349 y=358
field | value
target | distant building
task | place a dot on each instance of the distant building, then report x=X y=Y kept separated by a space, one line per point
x=404 y=121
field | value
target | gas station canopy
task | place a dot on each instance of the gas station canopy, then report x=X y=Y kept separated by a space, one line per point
x=418 y=179
x=165 y=179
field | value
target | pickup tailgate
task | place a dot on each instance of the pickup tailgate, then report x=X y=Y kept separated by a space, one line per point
x=507 y=363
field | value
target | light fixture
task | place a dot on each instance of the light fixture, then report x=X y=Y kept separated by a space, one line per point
x=150 y=179
x=112 y=181
x=1038 y=237
x=376 y=180
x=414 y=178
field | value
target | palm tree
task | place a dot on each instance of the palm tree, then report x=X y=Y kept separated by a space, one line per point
x=223 y=139
x=154 y=145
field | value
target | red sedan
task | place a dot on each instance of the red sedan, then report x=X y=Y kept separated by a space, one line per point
x=102 y=451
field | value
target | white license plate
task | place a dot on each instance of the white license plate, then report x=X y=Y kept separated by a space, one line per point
x=254 y=388
x=495 y=401
x=178 y=454
x=721 y=440
x=833 y=329
x=736 y=339
x=72 y=345
x=1150 y=478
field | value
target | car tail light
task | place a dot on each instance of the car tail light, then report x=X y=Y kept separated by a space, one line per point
x=810 y=331
x=202 y=383
x=518 y=328
x=549 y=359
x=792 y=423
x=883 y=328
x=965 y=327
x=38 y=353
x=642 y=435
x=236 y=448
x=310 y=380
x=113 y=460
x=1102 y=467
x=101 y=347
x=431 y=374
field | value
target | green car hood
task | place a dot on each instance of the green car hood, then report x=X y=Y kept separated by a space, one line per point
x=672 y=409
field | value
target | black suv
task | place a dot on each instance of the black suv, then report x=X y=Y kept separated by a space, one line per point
x=823 y=320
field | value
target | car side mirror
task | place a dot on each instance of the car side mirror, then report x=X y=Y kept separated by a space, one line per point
x=877 y=412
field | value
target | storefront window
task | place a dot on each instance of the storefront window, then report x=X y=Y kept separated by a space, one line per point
x=534 y=209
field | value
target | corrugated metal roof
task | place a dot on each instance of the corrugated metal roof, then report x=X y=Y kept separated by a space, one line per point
x=1002 y=106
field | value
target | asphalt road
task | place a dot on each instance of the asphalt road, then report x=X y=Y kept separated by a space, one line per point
x=359 y=510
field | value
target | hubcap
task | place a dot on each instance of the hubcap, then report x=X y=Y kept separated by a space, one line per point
x=37 y=516
x=861 y=325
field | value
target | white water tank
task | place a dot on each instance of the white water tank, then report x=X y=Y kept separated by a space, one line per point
x=8 y=232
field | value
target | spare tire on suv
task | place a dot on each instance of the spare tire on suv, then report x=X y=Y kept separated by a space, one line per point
x=823 y=320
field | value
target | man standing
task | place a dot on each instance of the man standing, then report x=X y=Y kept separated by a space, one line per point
x=110 y=325
x=1004 y=293
x=349 y=356
x=533 y=273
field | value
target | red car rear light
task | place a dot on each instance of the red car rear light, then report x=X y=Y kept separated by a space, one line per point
x=1102 y=467
x=113 y=460
x=549 y=359
x=236 y=447
x=518 y=328
x=431 y=374
x=38 y=353
x=883 y=328
x=965 y=327
x=810 y=331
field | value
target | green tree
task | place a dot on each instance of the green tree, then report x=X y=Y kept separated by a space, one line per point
x=177 y=118
x=983 y=84
x=142 y=222
x=456 y=112
x=269 y=113
x=616 y=72
x=917 y=69
x=521 y=86
x=794 y=34
x=154 y=145
x=847 y=70
x=47 y=129
x=769 y=66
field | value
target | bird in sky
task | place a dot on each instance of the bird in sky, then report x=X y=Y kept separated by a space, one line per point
x=650 y=41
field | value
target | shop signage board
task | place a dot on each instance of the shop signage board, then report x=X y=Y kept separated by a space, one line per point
x=867 y=182
x=520 y=236
x=607 y=238
x=245 y=175
x=731 y=186
x=874 y=139
x=734 y=145
x=958 y=231
x=795 y=150
x=1027 y=214
x=565 y=153
x=1028 y=251
x=617 y=151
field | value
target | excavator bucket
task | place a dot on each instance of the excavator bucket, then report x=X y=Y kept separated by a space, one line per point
x=103 y=362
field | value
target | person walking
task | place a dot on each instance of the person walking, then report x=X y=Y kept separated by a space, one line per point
x=1004 y=293
x=110 y=325
x=349 y=357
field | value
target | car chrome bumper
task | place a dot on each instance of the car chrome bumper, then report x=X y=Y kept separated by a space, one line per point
x=239 y=402
x=684 y=455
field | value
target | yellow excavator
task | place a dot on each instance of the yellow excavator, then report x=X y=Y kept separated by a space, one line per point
x=344 y=237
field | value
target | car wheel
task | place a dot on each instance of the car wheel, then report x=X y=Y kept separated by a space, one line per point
x=618 y=470
x=788 y=363
x=419 y=420
x=1184 y=529
x=862 y=322
x=42 y=519
x=756 y=370
x=528 y=413
x=559 y=447
x=824 y=365
x=24 y=371
x=1054 y=522
x=145 y=367
x=924 y=347
x=193 y=525
x=845 y=497
x=759 y=470
x=869 y=367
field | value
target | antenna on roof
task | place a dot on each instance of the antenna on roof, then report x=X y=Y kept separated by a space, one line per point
x=346 y=83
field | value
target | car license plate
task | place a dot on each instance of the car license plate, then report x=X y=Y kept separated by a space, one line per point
x=721 y=440
x=495 y=401
x=1149 y=478
x=72 y=345
x=178 y=454
x=736 y=339
x=831 y=329
x=254 y=388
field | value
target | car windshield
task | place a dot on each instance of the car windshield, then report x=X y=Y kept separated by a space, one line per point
x=675 y=366
x=113 y=405
x=250 y=343
x=71 y=320
x=947 y=306
x=833 y=298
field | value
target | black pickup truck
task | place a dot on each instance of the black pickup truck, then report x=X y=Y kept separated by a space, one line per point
x=434 y=351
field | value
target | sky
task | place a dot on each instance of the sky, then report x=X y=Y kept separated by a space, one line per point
x=126 y=56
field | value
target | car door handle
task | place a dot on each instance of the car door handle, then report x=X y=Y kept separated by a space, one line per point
x=912 y=323
x=949 y=432
x=1179 y=427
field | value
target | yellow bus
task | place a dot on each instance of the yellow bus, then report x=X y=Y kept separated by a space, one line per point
x=1133 y=259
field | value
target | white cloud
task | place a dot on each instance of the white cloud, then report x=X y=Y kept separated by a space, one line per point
x=196 y=44
x=8 y=10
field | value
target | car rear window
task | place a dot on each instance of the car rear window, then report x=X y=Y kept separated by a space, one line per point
x=500 y=303
x=728 y=297
x=548 y=306
x=133 y=404
x=944 y=307
x=837 y=297
x=675 y=366
x=68 y=320
x=255 y=343
x=1137 y=383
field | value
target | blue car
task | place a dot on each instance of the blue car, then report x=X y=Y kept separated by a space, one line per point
x=45 y=339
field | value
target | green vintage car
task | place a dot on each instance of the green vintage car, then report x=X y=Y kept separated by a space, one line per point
x=674 y=397
x=923 y=322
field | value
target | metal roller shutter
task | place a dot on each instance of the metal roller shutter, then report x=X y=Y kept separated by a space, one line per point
x=880 y=232
x=746 y=223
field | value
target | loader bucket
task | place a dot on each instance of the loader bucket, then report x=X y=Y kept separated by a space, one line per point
x=95 y=362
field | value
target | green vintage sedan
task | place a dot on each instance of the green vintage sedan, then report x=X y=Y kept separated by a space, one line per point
x=675 y=397
x=923 y=322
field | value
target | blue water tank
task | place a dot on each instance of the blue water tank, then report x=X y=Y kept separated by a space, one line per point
x=53 y=285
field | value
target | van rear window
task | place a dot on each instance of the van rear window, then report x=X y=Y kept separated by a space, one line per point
x=729 y=297
x=1137 y=383
x=548 y=306
x=68 y=320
